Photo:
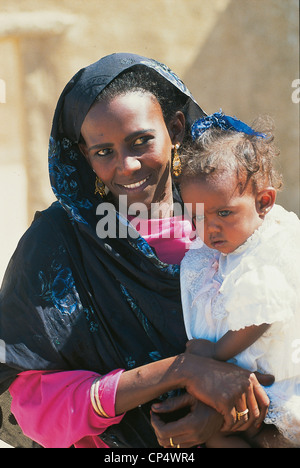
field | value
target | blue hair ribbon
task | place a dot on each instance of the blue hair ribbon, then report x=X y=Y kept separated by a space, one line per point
x=225 y=122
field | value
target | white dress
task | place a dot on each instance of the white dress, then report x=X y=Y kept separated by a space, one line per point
x=257 y=283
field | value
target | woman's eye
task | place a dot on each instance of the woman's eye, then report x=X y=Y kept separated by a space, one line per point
x=224 y=213
x=141 y=140
x=104 y=152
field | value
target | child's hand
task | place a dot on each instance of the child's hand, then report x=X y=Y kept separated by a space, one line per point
x=201 y=347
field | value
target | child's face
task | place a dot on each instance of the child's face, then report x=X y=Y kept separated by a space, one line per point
x=229 y=217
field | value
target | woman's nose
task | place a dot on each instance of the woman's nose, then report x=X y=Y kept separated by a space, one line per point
x=127 y=164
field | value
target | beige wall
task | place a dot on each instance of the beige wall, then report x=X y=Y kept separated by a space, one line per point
x=241 y=55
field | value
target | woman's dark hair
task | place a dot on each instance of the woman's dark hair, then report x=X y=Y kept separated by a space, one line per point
x=146 y=80
x=216 y=151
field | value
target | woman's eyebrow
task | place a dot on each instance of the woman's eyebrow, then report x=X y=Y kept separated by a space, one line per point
x=129 y=137
x=138 y=133
x=100 y=145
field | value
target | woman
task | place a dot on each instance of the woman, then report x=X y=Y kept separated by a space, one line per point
x=92 y=324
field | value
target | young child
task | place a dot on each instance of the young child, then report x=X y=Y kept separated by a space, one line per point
x=240 y=288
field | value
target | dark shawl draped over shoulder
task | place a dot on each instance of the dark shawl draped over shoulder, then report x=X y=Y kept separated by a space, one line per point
x=70 y=300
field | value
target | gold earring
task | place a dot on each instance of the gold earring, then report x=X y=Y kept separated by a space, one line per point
x=176 y=162
x=99 y=187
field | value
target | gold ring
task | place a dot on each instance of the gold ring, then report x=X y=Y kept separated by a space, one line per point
x=171 y=442
x=242 y=413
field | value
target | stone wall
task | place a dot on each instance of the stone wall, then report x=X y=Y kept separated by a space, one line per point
x=241 y=55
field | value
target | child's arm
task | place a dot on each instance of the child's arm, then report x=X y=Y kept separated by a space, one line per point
x=231 y=344
x=234 y=342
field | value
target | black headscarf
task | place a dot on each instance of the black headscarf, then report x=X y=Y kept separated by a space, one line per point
x=71 y=300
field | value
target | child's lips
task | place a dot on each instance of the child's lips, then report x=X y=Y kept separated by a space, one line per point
x=217 y=243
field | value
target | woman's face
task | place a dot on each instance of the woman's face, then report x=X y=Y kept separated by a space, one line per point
x=129 y=147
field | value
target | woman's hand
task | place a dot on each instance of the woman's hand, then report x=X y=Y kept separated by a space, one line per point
x=228 y=389
x=224 y=387
x=200 y=423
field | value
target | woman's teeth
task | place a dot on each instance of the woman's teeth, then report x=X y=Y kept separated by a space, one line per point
x=136 y=185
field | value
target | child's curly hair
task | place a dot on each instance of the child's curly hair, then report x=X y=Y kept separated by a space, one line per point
x=218 y=151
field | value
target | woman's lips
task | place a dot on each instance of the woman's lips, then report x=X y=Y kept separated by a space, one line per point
x=135 y=185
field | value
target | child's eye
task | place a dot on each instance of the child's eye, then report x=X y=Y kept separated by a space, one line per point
x=224 y=213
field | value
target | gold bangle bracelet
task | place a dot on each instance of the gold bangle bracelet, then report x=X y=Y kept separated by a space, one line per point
x=95 y=400
x=98 y=399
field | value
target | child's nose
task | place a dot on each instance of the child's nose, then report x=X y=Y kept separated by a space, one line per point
x=212 y=226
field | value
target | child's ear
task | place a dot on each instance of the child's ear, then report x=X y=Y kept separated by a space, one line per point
x=265 y=200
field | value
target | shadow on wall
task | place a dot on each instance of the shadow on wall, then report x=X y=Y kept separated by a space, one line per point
x=246 y=67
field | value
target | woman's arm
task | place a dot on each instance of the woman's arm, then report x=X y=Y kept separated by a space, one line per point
x=145 y=383
x=55 y=408
x=222 y=386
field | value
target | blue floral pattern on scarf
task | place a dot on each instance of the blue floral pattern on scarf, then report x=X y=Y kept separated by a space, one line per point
x=60 y=291
x=63 y=180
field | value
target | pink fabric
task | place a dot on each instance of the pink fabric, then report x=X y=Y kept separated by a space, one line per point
x=54 y=408
x=170 y=237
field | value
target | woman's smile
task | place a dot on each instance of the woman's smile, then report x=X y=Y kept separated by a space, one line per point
x=135 y=185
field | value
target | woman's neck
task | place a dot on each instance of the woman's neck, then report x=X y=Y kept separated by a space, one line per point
x=156 y=210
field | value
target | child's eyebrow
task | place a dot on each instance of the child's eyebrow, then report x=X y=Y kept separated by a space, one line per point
x=220 y=208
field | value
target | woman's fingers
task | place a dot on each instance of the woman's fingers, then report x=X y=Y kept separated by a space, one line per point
x=168 y=420
x=198 y=425
x=262 y=400
x=256 y=402
x=242 y=413
x=228 y=389
x=172 y=434
x=173 y=404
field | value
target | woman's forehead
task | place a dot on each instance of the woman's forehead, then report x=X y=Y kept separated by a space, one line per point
x=133 y=104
